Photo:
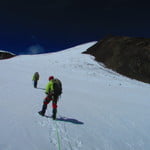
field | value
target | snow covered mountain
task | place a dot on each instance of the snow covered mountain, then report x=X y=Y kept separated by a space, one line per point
x=98 y=110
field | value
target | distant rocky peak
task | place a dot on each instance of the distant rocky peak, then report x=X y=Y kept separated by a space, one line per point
x=129 y=56
x=6 y=54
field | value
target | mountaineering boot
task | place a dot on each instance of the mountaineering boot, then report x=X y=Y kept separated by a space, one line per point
x=42 y=112
x=54 y=114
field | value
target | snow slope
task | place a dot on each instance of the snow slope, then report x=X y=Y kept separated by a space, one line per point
x=98 y=110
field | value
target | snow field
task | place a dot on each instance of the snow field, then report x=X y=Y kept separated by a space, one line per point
x=98 y=110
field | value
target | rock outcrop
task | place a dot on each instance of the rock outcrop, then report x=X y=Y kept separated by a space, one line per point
x=126 y=55
x=6 y=55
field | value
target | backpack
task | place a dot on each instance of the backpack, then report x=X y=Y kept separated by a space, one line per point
x=57 y=86
x=36 y=76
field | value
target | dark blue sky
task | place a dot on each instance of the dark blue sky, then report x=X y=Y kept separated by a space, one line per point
x=40 y=26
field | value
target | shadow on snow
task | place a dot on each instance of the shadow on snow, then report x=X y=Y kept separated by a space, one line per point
x=65 y=119
x=40 y=88
x=71 y=120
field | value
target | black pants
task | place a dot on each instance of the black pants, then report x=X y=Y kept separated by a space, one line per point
x=35 y=83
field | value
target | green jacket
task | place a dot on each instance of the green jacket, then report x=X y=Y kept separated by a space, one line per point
x=49 y=87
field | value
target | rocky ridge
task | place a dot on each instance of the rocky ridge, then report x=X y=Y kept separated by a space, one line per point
x=128 y=56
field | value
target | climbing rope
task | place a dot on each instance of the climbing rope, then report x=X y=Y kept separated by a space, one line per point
x=57 y=133
x=58 y=137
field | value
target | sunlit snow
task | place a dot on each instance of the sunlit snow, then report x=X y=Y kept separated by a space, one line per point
x=98 y=110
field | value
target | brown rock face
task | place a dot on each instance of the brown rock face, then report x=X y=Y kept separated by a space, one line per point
x=126 y=55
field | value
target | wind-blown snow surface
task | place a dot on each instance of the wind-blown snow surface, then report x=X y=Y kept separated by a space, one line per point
x=98 y=110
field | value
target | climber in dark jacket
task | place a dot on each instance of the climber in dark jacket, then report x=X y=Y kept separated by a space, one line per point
x=35 y=79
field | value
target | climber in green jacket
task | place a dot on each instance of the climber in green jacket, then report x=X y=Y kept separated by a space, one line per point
x=53 y=91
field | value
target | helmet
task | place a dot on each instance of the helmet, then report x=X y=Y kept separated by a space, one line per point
x=51 y=77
